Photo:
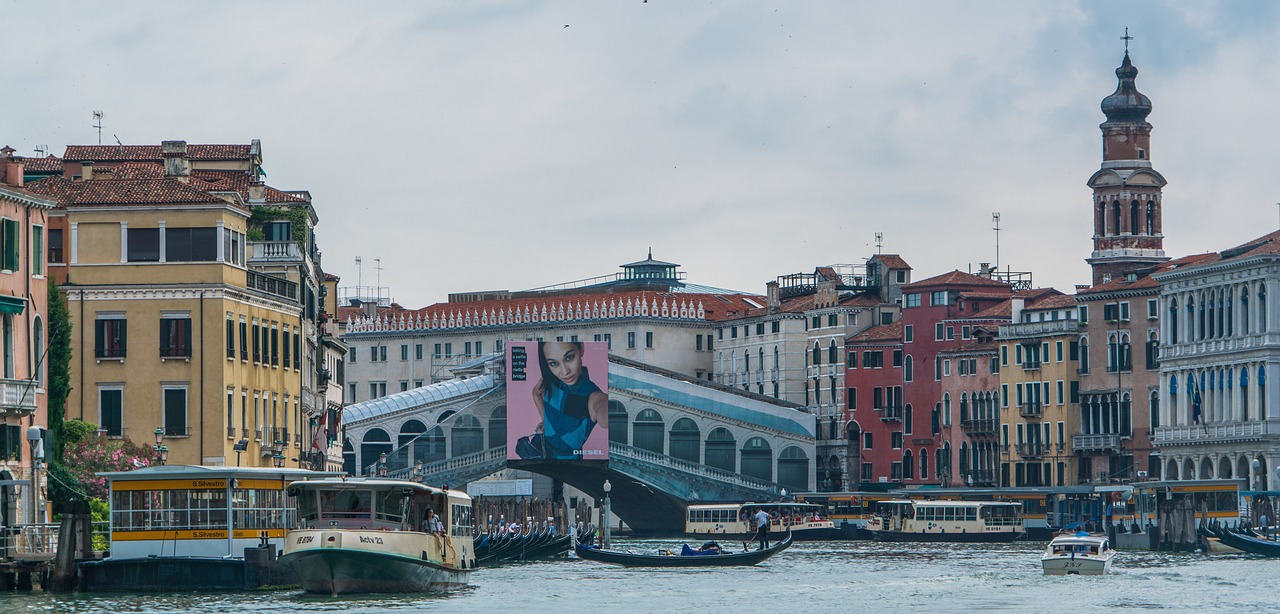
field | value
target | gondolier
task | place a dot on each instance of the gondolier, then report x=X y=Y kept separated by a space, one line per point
x=762 y=527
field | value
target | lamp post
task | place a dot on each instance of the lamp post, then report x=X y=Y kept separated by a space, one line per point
x=382 y=465
x=162 y=454
x=417 y=471
x=605 y=512
x=37 y=455
x=278 y=459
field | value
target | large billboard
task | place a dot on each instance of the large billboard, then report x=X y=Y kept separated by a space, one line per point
x=557 y=400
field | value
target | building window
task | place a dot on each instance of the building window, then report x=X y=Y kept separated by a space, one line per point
x=631 y=340
x=775 y=326
x=938 y=297
x=244 y=340
x=404 y=352
x=55 y=245
x=938 y=331
x=111 y=411
x=109 y=336
x=908 y=333
x=417 y=352
x=9 y=236
x=175 y=411
x=37 y=250
x=911 y=300
x=190 y=244
x=286 y=334
x=175 y=336
x=231 y=338
x=144 y=245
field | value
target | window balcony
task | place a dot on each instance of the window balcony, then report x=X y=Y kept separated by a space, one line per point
x=982 y=426
x=979 y=477
x=1031 y=409
x=19 y=396
x=1031 y=451
x=1225 y=432
x=1031 y=365
x=890 y=414
x=1106 y=442
x=272 y=285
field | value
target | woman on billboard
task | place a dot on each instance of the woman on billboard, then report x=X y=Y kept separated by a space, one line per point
x=569 y=404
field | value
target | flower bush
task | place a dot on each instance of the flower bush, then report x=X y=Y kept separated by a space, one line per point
x=95 y=453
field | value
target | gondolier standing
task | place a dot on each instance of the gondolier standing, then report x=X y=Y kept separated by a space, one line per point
x=762 y=527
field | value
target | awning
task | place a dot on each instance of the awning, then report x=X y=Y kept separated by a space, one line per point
x=12 y=305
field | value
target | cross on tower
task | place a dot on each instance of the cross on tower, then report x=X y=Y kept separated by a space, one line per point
x=1126 y=38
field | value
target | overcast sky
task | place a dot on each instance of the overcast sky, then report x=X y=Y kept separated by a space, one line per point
x=514 y=144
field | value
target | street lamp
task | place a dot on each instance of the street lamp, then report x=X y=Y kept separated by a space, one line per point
x=36 y=439
x=278 y=459
x=382 y=465
x=417 y=470
x=159 y=436
x=162 y=454
x=606 y=511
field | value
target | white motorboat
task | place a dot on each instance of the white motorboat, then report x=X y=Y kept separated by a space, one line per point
x=1079 y=553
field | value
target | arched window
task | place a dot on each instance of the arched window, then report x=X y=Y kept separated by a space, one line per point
x=38 y=343
x=685 y=440
x=1244 y=393
x=1153 y=406
x=1262 y=308
x=407 y=440
x=924 y=464
x=1229 y=311
x=946 y=409
x=832 y=358
x=1244 y=310
x=1115 y=217
x=1262 y=390
x=817 y=354
x=908 y=369
x=1126 y=413
x=908 y=420
x=964 y=408
x=1101 y=219
x=348 y=457
x=1135 y=219
x=908 y=465
x=1173 y=320
x=1151 y=217
x=721 y=450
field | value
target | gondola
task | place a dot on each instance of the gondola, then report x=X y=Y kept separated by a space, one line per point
x=1242 y=541
x=728 y=559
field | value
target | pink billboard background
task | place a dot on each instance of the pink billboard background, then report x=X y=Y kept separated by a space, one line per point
x=524 y=373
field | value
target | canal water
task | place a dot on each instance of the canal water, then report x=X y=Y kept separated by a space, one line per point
x=853 y=576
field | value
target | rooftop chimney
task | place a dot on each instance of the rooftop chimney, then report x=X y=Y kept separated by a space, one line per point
x=176 y=163
x=771 y=291
x=257 y=192
x=1016 y=304
x=86 y=170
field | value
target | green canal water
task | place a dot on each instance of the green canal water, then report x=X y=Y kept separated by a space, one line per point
x=810 y=577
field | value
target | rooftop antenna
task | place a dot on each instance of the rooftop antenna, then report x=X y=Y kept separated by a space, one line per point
x=97 y=118
x=359 y=274
x=879 y=241
x=41 y=149
x=118 y=141
x=377 y=266
x=995 y=217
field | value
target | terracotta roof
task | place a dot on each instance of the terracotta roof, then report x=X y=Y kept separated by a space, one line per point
x=136 y=170
x=892 y=261
x=987 y=296
x=1000 y=311
x=122 y=192
x=956 y=278
x=885 y=332
x=970 y=345
x=1144 y=279
x=715 y=307
x=151 y=153
x=237 y=181
x=50 y=164
x=1055 y=301
x=803 y=303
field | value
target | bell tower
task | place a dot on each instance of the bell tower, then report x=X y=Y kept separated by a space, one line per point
x=1127 y=228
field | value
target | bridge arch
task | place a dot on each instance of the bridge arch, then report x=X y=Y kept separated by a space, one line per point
x=376 y=441
x=466 y=435
x=649 y=430
x=685 y=440
x=757 y=459
x=793 y=468
x=407 y=440
x=498 y=427
x=348 y=457
x=618 y=422
x=722 y=450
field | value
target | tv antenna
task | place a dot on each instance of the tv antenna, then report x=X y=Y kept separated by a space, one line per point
x=97 y=118
x=118 y=140
x=359 y=272
x=995 y=217
x=879 y=241
x=42 y=149
x=377 y=266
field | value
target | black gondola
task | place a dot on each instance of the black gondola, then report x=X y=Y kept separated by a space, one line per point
x=728 y=559
x=1246 y=543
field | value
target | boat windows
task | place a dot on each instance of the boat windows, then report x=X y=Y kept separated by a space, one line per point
x=346 y=504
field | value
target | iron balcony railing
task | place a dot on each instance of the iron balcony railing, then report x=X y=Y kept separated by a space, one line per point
x=979 y=426
x=1031 y=409
x=1031 y=450
x=1217 y=433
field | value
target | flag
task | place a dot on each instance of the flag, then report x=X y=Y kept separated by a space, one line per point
x=1195 y=399
x=321 y=437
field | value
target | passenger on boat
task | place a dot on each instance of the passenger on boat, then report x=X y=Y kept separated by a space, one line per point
x=431 y=523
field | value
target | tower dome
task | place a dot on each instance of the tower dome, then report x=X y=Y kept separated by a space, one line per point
x=1127 y=104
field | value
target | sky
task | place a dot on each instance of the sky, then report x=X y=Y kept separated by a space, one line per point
x=467 y=146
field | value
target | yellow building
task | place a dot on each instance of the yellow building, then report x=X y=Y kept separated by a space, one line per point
x=1039 y=390
x=176 y=337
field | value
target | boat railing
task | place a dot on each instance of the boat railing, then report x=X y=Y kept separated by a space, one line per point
x=1001 y=521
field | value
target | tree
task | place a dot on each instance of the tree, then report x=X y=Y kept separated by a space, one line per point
x=95 y=453
x=58 y=366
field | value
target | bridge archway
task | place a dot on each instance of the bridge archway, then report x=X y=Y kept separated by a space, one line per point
x=430 y=447
x=649 y=431
x=376 y=441
x=793 y=468
x=498 y=427
x=686 y=440
x=757 y=459
x=722 y=449
x=618 y=422
x=409 y=441
x=467 y=436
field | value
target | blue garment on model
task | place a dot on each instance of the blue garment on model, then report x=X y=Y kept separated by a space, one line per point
x=566 y=421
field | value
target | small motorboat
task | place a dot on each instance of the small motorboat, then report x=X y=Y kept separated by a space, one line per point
x=686 y=557
x=1080 y=553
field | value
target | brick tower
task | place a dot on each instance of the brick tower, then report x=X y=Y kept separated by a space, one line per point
x=1127 y=229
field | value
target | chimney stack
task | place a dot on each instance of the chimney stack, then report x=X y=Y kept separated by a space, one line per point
x=257 y=192
x=771 y=291
x=10 y=169
x=86 y=170
x=176 y=164
x=1016 y=305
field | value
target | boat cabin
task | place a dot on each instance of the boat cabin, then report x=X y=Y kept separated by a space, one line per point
x=371 y=503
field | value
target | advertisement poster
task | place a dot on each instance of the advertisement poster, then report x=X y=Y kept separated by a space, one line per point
x=557 y=400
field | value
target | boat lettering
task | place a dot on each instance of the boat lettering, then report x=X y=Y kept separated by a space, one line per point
x=370 y=540
x=306 y=539
x=208 y=483
x=208 y=534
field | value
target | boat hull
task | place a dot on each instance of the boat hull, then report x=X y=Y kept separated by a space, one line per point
x=733 y=559
x=1078 y=566
x=338 y=572
x=985 y=537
